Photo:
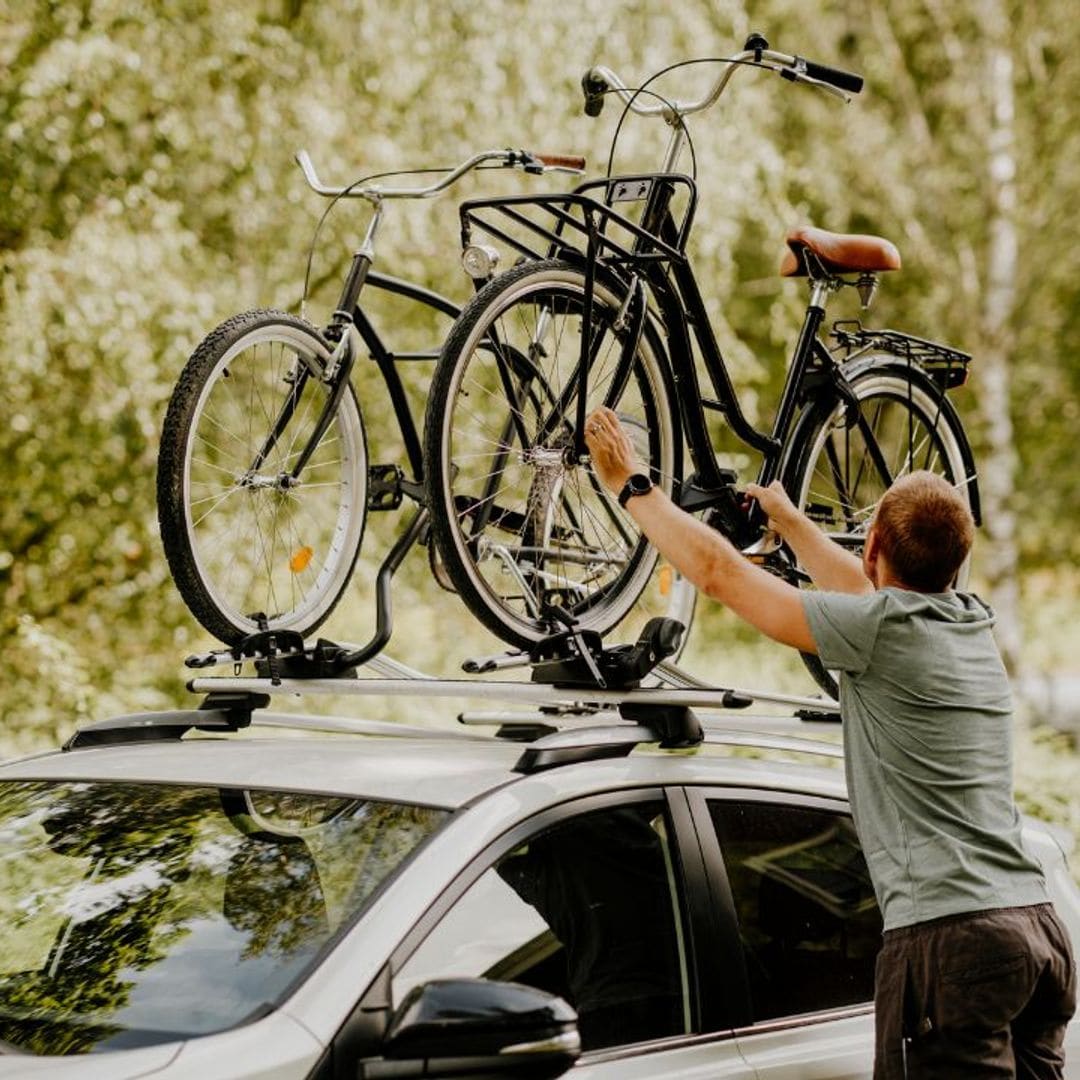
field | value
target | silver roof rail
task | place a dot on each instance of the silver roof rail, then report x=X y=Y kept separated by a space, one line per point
x=617 y=740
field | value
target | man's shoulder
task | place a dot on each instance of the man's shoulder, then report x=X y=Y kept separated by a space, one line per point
x=844 y=604
x=952 y=606
x=844 y=626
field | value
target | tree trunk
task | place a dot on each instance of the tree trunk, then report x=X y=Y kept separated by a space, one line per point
x=998 y=472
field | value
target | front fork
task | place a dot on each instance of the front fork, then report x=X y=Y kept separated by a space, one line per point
x=339 y=367
x=337 y=375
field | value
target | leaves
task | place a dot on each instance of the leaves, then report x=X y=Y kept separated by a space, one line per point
x=150 y=193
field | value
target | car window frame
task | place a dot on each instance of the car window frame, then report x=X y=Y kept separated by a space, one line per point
x=699 y=797
x=686 y=863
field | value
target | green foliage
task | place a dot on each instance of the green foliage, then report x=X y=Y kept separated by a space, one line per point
x=149 y=193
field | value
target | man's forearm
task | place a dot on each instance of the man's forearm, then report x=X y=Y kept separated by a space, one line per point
x=828 y=564
x=718 y=569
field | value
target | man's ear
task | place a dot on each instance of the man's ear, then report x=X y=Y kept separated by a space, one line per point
x=871 y=554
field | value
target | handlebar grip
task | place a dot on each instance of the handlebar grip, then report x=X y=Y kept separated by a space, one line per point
x=562 y=161
x=594 y=86
x=843 y=80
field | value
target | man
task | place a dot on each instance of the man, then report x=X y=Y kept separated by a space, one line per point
x=975 y=975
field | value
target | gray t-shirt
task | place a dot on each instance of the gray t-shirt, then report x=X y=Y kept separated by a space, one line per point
x=927 y=718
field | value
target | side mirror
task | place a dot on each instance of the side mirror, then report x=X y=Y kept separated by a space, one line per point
x=480 y=1028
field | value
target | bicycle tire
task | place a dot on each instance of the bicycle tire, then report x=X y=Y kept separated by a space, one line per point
x=913 y=423
x=518 y=522
x=249 y=549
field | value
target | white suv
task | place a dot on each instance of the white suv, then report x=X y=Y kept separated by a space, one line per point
x=416 y=904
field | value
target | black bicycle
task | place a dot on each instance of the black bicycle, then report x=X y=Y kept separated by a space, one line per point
x=604 y=308
x=264 y=484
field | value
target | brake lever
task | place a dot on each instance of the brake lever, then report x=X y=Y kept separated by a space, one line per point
x=801 y=77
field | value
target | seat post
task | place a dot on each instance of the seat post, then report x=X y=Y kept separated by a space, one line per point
x=819 y=292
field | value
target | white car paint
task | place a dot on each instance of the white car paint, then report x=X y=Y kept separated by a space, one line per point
x=476 y=775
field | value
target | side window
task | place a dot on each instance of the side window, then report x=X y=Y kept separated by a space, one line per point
x=808 y=919
x=588 y=910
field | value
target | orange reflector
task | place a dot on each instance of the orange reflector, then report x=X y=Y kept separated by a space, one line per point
x=667 y=579
x=300 y=560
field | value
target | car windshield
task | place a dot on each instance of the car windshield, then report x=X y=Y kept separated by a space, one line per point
x=133 y=914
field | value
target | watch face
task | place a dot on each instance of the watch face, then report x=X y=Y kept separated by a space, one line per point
x=636 y=484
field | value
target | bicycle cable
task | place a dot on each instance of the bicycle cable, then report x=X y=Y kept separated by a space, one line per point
x=635 y=92
x=346 y=191
x=644 y=89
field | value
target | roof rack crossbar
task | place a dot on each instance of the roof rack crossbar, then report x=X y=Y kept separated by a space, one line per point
x=711 y=721
x=516 y=691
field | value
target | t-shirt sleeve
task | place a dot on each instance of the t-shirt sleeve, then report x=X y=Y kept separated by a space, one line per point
x=844 y=626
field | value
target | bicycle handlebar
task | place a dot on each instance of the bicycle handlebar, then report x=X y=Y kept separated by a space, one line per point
x=598 y=81
x=524 y=159
x=838 y=77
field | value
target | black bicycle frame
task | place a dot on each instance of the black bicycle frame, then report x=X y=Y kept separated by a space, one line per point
x=385 y=359
x=682 y=309
x=575 y=226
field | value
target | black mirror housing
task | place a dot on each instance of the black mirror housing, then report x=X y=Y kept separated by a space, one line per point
x=480 y=1027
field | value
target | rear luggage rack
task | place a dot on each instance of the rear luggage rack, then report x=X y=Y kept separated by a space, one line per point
x=948 y=367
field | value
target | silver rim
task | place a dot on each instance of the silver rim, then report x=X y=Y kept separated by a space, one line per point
x=838 y=448
x=259 y=547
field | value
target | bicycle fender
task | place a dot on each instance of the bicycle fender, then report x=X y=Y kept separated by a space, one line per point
x=844 y=377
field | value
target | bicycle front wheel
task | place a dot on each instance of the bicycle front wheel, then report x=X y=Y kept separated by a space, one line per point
x=846 y=454
x=250 y=544
x=520 y=522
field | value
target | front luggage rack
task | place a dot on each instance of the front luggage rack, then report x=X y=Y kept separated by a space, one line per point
x=948 y=367
x=546 y=226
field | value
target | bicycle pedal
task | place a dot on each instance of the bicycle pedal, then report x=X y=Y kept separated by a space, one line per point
x=384 y=487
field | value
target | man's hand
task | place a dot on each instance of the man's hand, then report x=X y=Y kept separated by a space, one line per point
x=776 y=504
x=613 y=456
x=829 y=565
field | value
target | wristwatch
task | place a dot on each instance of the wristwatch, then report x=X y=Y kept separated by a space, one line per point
x=636 y=484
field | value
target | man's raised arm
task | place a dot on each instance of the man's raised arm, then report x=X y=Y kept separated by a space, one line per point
x=699 y=553
x=828 y=564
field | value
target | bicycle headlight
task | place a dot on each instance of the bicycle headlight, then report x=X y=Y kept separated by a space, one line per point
x=479 y=261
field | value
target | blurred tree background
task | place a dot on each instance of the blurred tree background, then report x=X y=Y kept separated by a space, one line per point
x=148 y=192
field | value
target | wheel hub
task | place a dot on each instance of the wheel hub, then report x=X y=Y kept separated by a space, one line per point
x=256 y=481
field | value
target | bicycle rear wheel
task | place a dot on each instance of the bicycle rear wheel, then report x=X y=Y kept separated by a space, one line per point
x=249 y=545
x=843 y=458
x=519 y=521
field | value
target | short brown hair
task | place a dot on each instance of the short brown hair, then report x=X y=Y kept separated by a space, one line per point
x=925 y=530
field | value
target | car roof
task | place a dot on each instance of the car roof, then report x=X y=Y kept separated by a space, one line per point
x=433 y=772
x=441 y=767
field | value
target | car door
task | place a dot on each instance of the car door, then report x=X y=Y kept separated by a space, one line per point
x=590 y=901
x=791 y=870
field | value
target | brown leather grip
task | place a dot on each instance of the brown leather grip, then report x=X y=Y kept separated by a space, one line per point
x=561 y=161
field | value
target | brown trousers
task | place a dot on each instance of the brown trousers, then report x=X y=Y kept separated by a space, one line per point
x=983 y=995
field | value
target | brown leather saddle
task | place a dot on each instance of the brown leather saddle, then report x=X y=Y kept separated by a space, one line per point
x=838 y=253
